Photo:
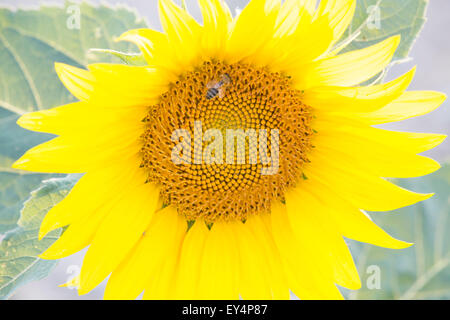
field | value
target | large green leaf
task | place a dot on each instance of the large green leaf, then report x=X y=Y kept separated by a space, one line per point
x=423 y=270
x=31 y=41
x=19 y=250
x=14 y=189
x=15 y=186
x=376 y=20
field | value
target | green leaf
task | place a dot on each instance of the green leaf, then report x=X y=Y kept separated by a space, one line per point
x=423 y=270
x=14 y=189
x=19 y=250
x=376 y=20
x=15 y=186
x=31 y=41
x=133 y=59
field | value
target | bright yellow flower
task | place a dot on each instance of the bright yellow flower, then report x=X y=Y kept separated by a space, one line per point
x=227 y=230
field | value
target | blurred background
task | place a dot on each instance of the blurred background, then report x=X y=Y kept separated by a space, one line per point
x=431 y=53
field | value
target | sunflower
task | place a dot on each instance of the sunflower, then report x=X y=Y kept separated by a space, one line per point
x=188 y=229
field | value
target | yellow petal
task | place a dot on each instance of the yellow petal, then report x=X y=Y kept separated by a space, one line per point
x=145 y=39
x=351 y=222
x=157 y=50
x=372 y=156
x=117 y=235
x=73 y=283
x=78 y=154
x=72 y=119
x=177 y=23
x=152 y=253
x=78 y=81
x=294 y=16
x=239 y=47
x=357 y=99
x=191 y=256
x=347 y=69
x=219 y=267
x=409 y=142
x=162 y=283
x=363 y=189
x=183 y=34
x=304 y=277
x=254 y=270
x=321 y=237
x=113 y=84
x=277 y=279
x=410 y=104
x=340 y=14
x=308 y=5
x=77 y=236
x=309 y=41
x=217 y=21
x=123 y=85
x=297 y=39
x=86 y=197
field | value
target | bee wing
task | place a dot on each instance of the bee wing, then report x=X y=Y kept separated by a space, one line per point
x=212 y=84
x=226 y=78
x=221 y=93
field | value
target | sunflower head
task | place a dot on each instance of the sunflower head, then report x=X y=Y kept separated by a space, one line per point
x=227 y=113
x=236 y=161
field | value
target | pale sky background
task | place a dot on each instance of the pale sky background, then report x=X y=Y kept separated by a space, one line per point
x=431 y=54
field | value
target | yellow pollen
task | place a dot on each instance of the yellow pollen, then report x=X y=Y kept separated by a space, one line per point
x=251 y=103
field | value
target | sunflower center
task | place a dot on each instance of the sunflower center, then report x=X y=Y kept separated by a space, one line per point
x=226 y=140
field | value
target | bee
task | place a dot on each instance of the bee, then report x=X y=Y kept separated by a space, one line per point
x=218 y=87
